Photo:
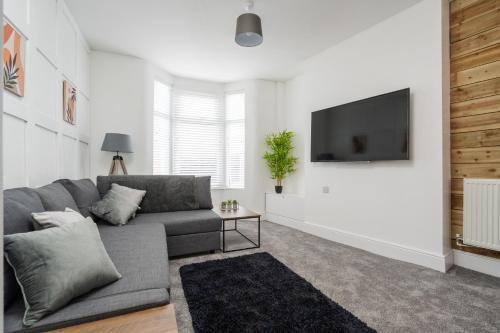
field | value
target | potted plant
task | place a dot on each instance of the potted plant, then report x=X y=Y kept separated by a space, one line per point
x=279 y=158
x=223 y=206
x=235 y=205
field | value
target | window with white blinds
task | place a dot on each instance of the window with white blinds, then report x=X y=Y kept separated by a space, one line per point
x=200 y=134
x=161 y=129
x=235 y=140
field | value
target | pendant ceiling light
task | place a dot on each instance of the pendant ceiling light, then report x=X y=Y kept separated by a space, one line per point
x=248 y=28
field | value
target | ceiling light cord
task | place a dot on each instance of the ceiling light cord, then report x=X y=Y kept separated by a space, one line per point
x=248 y=5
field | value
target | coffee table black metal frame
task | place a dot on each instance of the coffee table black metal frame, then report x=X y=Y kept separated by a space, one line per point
x=236 y=218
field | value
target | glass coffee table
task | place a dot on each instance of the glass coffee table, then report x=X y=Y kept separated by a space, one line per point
x=234 y=215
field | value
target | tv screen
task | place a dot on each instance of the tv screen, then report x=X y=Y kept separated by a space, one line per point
x=372 y=129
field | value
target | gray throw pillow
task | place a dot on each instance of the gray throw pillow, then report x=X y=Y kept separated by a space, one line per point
x=50 y=219
x=55 y=265
x=202 y=191
x=119 y=205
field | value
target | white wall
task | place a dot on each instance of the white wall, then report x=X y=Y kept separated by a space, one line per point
x=122 y=101
x=118 y=106
x=399 y=204
x=39 y=146
x=262 y=102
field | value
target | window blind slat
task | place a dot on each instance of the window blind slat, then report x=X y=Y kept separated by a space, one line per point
x=161 y=129
x=199 y=134
x=235 y=140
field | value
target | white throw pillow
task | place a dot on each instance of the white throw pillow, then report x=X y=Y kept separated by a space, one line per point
x=45 y=220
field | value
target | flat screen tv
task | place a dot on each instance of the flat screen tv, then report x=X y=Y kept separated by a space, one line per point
x=372 y=129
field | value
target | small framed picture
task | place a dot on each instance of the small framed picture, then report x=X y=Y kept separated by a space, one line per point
x=69 y=102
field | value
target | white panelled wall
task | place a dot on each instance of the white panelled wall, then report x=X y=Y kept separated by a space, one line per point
x=39 y=147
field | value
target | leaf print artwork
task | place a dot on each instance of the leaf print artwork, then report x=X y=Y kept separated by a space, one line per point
x=13 y=60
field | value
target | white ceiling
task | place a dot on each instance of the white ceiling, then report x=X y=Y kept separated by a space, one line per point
x=195 y=38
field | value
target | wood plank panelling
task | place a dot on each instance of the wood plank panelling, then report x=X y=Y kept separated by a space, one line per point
x=475 y=43
x=455 y=229
x=457 y=186
x=488 y=138
x=476 y=155
x=476 y=250
x=481 y=57
x=476 y=74
x=475 y=25
x=457 y=201
x=475 y=101
x=479 y=170
x=476 y=106
x=475 y=90
x=475 y=123
x=463 y=11
x=457 y=217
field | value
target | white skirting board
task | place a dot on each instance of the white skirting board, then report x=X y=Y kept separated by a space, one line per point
x=475 y=262
x=435 y=261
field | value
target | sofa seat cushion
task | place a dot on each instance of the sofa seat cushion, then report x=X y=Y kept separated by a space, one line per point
x=183 y=222
x=85 y=310
x=139 y=254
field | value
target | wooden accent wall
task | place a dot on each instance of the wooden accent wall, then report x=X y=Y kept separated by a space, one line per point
x=475 y=100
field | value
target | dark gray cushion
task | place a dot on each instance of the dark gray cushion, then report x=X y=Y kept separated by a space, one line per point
x=203 y=194
x=56 y=197
x=86 y=310
x=18 y=204
x=163 y=193
x=55 y=265
x=181 y=223
x=83 y=191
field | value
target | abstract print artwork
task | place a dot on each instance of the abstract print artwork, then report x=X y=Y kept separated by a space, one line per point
x=13 y=60
x=69 y=102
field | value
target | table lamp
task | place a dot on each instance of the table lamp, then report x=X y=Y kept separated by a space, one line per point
x=119 y=143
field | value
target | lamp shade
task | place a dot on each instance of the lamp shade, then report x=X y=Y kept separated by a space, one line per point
x=248 y=30
x=117 y=142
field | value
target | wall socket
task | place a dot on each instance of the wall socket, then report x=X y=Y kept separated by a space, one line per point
x=326 y=189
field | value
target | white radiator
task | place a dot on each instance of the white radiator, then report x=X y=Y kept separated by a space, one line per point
x=482 y=213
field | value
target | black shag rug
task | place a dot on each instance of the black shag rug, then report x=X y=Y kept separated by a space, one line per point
x=257 y=293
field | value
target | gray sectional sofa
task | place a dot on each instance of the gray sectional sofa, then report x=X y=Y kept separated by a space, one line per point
x=175 y=219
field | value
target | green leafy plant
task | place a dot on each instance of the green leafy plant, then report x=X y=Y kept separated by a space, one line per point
x=279 y=158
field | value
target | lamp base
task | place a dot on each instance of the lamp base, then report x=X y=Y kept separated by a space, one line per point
x=116 y=164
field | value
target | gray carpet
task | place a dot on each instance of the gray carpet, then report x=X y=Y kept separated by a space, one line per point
x=389 y=295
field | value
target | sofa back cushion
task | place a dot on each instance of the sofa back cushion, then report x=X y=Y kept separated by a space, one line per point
x=203 y=195
x=163 y=193
x=56 y=198
x=83 y=191
x=18 y=205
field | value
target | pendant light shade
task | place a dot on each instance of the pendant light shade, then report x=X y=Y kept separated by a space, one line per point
x=248 y=30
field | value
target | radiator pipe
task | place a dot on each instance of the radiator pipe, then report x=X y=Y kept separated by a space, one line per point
x=460 y=242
